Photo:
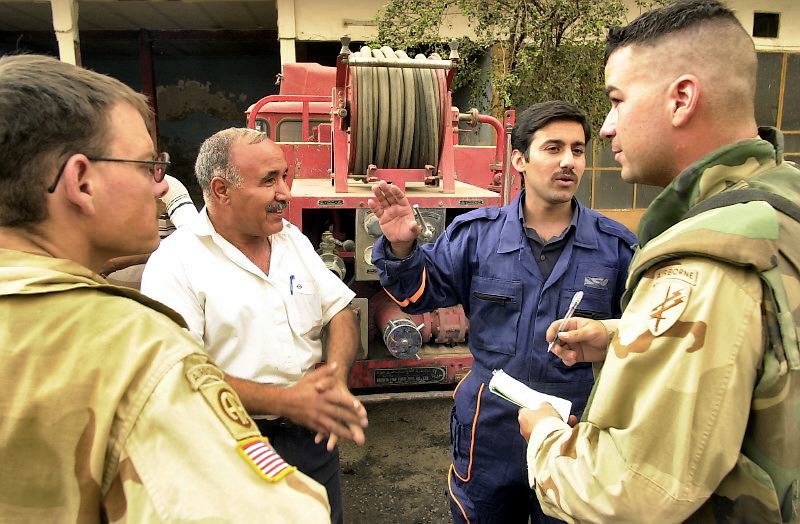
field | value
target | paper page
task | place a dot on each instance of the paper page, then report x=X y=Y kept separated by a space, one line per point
x=514 y=391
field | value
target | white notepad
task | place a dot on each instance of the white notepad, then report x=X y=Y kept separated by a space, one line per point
x=514 y=391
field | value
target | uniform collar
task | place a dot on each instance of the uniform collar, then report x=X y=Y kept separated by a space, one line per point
x=512 y=234
x=201 y=226
x=30 y=274
x=712 y=174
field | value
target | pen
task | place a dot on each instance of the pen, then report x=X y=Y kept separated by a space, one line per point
x=576 y=299
x=291 y=284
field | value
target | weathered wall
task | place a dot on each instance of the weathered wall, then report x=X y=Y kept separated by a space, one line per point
x=319 y=20
x=197 y=96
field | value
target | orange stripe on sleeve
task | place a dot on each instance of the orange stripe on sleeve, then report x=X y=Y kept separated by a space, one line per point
x=416 y=296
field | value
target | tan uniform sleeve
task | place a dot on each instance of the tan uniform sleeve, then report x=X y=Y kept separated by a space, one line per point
x=670 y=408
x=185 y=460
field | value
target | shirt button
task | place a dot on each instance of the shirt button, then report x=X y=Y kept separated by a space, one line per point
x=541 y=257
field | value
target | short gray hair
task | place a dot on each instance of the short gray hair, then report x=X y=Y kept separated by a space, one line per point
x=214 y=157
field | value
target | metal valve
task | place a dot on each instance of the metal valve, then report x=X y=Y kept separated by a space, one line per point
x=427 y=230
x=403 y=338
x=328 y=255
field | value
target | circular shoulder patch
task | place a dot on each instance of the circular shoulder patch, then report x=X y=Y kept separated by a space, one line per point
x=668 y=298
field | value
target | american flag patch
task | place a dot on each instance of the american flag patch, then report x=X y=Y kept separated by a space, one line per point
x=264 y=459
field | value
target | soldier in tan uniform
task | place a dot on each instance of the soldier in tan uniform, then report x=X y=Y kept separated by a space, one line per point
x=109 y=411
x=695 y=414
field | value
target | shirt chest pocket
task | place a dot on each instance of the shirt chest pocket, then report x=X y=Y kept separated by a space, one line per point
x=495 y=307
x=303 y=306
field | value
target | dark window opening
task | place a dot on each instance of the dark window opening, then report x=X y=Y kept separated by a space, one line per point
x=765 y=25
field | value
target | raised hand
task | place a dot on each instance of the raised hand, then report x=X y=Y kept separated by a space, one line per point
x=395 y=215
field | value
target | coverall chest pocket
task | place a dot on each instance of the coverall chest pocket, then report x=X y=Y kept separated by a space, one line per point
x=303 y=306
x=495 y=306
x=598 y=283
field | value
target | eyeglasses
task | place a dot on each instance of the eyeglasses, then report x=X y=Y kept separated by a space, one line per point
x=158 y=167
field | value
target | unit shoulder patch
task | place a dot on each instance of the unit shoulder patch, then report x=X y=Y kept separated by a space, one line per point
x=208 y=380
x=672 y=288
x=264 y=459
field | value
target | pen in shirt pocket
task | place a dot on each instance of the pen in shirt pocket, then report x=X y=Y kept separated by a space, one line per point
x=291 y=284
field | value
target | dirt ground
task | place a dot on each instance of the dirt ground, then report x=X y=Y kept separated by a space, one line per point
x=400 y=475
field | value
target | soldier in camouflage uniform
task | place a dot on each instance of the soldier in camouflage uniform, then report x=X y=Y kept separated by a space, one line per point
x=696 y=412
x=110 y=412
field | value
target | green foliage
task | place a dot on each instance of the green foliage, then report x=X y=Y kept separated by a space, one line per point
x=540 y=49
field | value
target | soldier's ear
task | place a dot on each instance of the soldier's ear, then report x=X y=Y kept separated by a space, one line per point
x=77 y=183
x=683 y=95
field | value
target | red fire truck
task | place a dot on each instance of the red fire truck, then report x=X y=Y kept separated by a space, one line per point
x=380 y=114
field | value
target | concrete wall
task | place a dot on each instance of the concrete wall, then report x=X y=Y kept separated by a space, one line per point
x=788 y=34
x=319 y=20
x=199 y=96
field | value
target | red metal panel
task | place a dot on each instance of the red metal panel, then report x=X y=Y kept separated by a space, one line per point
x=307 y=159
x=367 y=373
x=307 y=78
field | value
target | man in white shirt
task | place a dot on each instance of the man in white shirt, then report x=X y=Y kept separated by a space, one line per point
x=255 y=293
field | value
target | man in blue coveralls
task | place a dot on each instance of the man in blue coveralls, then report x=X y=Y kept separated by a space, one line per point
x=514 y=270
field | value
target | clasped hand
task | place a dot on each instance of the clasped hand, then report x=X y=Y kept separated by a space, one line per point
x=323 y=403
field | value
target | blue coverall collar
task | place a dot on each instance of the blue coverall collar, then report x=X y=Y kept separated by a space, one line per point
x=586 y=232
x=513 y=233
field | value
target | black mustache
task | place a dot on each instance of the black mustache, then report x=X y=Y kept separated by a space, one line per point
x=278 y=207
x=563 y=172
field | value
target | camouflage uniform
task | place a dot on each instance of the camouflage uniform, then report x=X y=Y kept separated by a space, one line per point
x=696 y=413
x=112 y=413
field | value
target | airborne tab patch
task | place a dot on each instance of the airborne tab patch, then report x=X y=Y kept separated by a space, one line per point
x=687 y=274
x=265 y=460
x=207 y=379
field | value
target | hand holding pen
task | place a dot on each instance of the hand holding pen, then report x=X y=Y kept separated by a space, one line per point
x=573 y=305
x=580 y=339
